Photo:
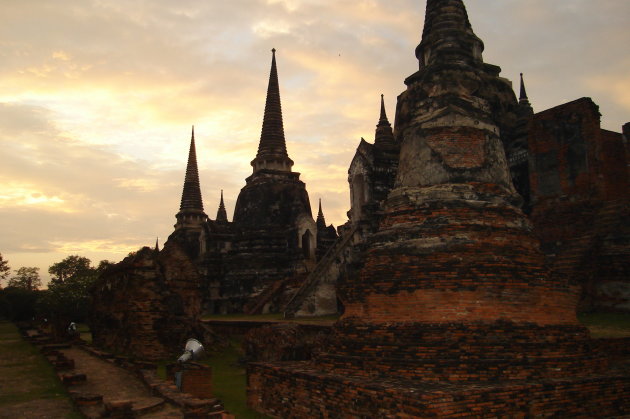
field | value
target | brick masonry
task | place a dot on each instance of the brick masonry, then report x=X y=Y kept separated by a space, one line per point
x=149 y=305
x=580 y=201
x=302 y=391
x=453 y=312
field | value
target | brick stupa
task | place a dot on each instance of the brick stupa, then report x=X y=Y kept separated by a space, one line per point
x=453 y=312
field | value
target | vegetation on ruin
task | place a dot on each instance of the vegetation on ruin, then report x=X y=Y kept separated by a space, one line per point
x=27 y=380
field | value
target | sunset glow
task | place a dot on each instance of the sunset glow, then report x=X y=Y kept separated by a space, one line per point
x=97 y=100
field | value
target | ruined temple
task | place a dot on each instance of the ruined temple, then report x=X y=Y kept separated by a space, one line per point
x=371 y=177
x=150 y=302
x=580 y=202
x=252 y=262
x=453 y=309
x=572 y=181
x=476 y=226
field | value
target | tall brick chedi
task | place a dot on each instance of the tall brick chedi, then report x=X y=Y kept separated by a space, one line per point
x=453 y=312
x=454 y=246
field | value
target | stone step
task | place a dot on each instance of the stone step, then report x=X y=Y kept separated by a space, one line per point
x=148 y=405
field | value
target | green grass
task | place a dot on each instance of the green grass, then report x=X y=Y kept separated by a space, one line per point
x=272 y=317
x=25 y=375
x=606 y=325
x=84 y=332
x=245 y=317
x=229 y=381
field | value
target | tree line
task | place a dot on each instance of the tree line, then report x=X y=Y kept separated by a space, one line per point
x=66 y=299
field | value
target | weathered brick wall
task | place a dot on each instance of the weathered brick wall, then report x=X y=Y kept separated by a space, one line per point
x=456 y=260
x=626 y=142
x=580 y=189
x=197 y=380
x=574 y=163
x=458 y=352
x=257 y=260
x=148 y=305
x=127 y=302
x=564 y=151
x=182 y=279
x=615 y=349
x=563 y=172
x=284 y=342
x=614 y=165
x=300 y=391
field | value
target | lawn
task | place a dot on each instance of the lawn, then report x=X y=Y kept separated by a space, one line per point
x=229 y=381
x=606 y=325
x=272 y=317
x=28 y=382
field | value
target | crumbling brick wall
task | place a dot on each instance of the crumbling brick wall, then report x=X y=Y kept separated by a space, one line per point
x=580 y=185
x=148 y=304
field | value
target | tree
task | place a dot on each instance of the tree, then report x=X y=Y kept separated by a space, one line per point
x=104 y=264
x=71 y=267
x=4 y=268
x=18 y=304
x=67 y=298
x=26 y=278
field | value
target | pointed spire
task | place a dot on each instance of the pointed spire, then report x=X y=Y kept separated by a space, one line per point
x=448 y=36
x=272 y=149
x=321 y=221
x=221 y=213
x=523 y=100
x=157 y=245
x=384 y=134
x=383 y=119
x=191 y=195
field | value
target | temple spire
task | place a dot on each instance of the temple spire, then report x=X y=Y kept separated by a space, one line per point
x=191 y=208
x=383 y=119
x=221 y=213
x=157 y=245
x=523 y=99
x=448 y=36
x=384 y=134
x=321 y=221
x=272 y=149
x=191 y=195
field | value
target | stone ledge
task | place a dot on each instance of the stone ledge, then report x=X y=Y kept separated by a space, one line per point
x=73 y=379
x=86 y=399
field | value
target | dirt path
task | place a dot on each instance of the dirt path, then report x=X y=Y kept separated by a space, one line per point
x=116 y=384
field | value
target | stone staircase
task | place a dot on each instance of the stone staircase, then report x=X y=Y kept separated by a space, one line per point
x=324 y=270
x=269 y=293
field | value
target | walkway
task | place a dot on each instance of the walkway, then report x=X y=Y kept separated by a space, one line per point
x=116 y=385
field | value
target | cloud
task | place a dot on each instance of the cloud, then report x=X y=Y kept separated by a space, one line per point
x=97 y=98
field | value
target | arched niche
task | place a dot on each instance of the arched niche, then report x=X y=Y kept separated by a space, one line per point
x=308 y=244
x=358 y=191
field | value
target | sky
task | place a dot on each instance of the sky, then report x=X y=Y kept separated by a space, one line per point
x=97 y=100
